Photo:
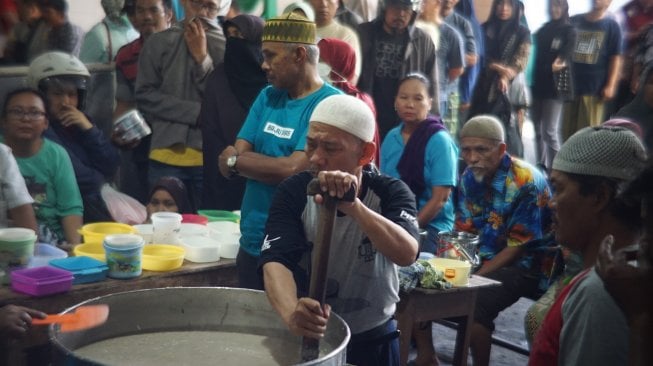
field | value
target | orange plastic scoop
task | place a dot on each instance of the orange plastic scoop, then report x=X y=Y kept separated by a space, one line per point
x=84 y=317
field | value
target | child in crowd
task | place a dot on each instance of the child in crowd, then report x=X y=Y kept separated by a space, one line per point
x=46 y=167
x=64 y=80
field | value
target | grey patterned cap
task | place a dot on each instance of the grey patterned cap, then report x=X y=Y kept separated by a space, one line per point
x=612 y=152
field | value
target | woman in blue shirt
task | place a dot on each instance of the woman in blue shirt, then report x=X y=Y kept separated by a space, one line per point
x=421 y=152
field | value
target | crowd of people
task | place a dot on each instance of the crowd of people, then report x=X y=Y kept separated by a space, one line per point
x=417 y=108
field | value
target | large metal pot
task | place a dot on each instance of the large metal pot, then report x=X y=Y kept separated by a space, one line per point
x=198 y=309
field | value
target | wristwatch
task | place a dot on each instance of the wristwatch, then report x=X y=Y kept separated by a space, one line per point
x=231 y=164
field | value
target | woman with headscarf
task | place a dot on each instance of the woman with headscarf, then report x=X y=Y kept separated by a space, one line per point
x=338 y=67
x=554 y=45
x=421 y=152
x=507 y=45
x=230 y=92
x=169 y=194
x=640 y=110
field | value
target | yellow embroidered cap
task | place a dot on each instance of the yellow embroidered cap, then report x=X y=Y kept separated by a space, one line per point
x=289 y=28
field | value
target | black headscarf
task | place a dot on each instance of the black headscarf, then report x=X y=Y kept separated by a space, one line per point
x=564 y=19
x=243 y=59
x=177 y=189
x=499 y=33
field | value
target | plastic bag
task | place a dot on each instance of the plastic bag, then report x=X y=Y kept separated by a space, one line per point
x=123 y=208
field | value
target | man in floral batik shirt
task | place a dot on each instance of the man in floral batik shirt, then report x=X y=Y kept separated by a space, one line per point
x=505 y=201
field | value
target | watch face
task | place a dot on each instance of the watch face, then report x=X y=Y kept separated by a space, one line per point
x=231 y=161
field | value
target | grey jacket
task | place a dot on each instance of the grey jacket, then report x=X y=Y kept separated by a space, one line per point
x=170 y=85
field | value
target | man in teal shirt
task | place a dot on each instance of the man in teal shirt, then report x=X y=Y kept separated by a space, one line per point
x=270 y=145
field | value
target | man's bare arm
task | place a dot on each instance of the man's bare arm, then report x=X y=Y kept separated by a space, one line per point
x=266 y=169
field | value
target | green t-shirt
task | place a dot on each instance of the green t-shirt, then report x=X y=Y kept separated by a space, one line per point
x=50 y=179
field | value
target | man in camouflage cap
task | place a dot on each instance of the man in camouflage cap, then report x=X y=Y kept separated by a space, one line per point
x=270 y=145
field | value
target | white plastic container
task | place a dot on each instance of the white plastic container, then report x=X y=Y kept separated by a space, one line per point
x=229 y=245
x=201 y=249
x=224 y=226
x=145 y=231
x=44 y=253
x=192 y=229
x=166 y=227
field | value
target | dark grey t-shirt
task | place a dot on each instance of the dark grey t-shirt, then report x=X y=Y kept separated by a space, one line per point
x=389 y=53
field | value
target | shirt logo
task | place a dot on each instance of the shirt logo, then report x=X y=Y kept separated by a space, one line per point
x=366 y=251
x=280 y=132
x=408 y=217
x=266 y=242
x=588 y=47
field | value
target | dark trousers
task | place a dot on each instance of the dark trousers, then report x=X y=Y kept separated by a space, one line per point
x=376 y=347
x=516 y=282
x=247 y=268
x=95 y=210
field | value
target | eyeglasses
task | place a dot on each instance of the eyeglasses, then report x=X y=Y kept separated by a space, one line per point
x=30 y=115
x=211 y=8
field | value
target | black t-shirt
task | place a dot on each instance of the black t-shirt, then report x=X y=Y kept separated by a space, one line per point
x=554 y=39
x=596 y=44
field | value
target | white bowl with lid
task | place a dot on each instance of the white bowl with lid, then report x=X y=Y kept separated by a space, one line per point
x=201 y=249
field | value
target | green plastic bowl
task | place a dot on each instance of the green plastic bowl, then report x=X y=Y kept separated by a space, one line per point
x=219 y=215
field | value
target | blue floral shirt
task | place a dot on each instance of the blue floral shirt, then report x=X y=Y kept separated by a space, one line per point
x=512 y=211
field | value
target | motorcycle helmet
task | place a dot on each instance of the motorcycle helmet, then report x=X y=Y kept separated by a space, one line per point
x=53 y=69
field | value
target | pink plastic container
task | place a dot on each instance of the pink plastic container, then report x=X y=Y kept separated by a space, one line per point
x=41 y=281
x=194 y=219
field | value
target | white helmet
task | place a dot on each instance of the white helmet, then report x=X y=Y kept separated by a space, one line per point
x=55 y=63
x=57 y=66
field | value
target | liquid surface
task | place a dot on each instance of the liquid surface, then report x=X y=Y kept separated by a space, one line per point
x=196 y=348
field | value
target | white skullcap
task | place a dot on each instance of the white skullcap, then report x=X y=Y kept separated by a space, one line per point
x=484 y=126
x=611 y=152
x=347 y=113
